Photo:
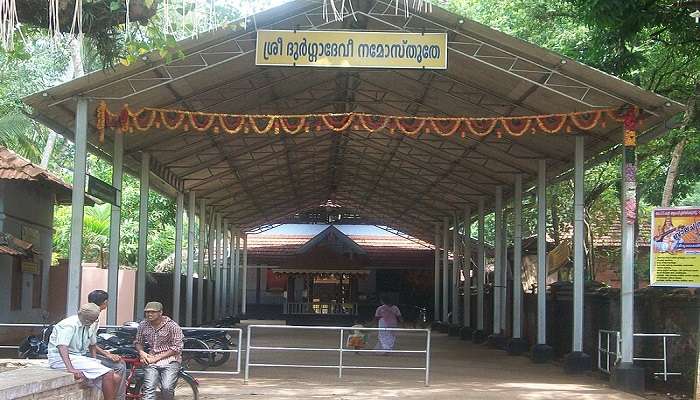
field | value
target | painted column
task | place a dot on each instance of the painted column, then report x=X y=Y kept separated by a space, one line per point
x=232 y=272
x=114 y=227
x=456 y=315
x=209 y=265
x=189 y=285
x=498 y=263
x=200 y=260
x=244 y=275
x=626 y=375
x=237 y=273
x=216 y=268
x=504 y=271
x=481 y=266
x=177 y=267
x=143 y=238
x=542 y=252
x=436 y=292
x=517 y=257
x=77 y=212
x=466 y=266
x=577 y=340
x=445 y=271
x=225 y=270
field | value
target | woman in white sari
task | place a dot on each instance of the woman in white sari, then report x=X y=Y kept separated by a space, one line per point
x=388 y=316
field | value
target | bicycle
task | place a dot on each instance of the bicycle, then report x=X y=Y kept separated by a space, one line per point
x=186 y=386
x=422 y=318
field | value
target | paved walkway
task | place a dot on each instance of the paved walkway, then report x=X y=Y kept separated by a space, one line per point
x=459 y=370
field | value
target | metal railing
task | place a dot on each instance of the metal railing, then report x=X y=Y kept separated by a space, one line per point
x=607 y=352
x=320 y=308
x=238 y=334
x=664 y=359
x=26 y=327
x=340 y=350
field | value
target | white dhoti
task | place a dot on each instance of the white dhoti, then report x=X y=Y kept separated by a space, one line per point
x=92 y=368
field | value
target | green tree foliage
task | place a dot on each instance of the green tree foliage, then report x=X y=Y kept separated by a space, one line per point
x=33 y=66
x=653 y=44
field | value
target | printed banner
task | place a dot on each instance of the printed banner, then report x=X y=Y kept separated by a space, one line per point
x=351 y=49
x=675 y=247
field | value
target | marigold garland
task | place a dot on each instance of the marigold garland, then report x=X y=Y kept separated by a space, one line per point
x=128 y=120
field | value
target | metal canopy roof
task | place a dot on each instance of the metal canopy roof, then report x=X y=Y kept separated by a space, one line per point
x=407 y=183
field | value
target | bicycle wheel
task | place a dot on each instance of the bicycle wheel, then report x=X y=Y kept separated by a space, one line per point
x=196 y=360
x=218 y=357
x=186 y=388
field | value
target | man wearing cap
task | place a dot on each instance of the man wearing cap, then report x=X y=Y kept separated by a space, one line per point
x=71 y=343
x=164 y=339
x=101 y=299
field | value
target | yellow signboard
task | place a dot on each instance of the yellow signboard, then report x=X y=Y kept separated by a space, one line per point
x=31 y=267
x=352 y=49
x=675 y=247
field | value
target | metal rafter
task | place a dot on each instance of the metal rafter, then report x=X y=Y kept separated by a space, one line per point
x=407 y=176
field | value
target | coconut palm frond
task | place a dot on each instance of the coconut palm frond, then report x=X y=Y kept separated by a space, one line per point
x=17 y=132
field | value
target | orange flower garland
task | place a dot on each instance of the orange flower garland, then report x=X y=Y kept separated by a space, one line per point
x=144 y=119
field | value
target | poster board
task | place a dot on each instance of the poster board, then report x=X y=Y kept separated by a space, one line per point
x=675 y=247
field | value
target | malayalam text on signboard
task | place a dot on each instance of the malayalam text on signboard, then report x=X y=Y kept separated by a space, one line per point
x=351 y=49
x=675 y=247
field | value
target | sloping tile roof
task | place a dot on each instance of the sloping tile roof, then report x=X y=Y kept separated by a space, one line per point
x=14 y=167
x=609 y=234
x=11 y=246
x=389 y=251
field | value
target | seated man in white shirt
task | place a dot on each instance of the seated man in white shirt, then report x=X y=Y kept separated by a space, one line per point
x=71 y=343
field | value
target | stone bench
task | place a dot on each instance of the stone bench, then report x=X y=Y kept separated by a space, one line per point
x=33 y=379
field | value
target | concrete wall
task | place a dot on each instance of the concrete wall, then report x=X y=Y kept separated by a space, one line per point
x=96 y=278
x=24 y=209
x=92 y=278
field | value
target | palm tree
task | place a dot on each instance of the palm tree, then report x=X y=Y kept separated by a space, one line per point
x=96 y=233
x=21 y=135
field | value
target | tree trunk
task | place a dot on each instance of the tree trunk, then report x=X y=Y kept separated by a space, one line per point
x=48 y=149
x=688 y=119
x=555 y=220
x=672 y=173
x=76 y=58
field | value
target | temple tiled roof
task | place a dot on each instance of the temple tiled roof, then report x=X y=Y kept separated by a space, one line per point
x=14 y=167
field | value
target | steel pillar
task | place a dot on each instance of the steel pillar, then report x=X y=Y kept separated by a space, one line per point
x=480 y=273
x=466 y=266
x=143 y=238
x=189 y=284
x=114 y=227
x=517 y=257
x=244 y=276
x=498 y=263
x=77 y=213
x=445 y=272
x=436 y=285
x=177 y=267
x=577 y=340
x=216 y=268
x=200 y=260
x=456 y=315
x=542 y=252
